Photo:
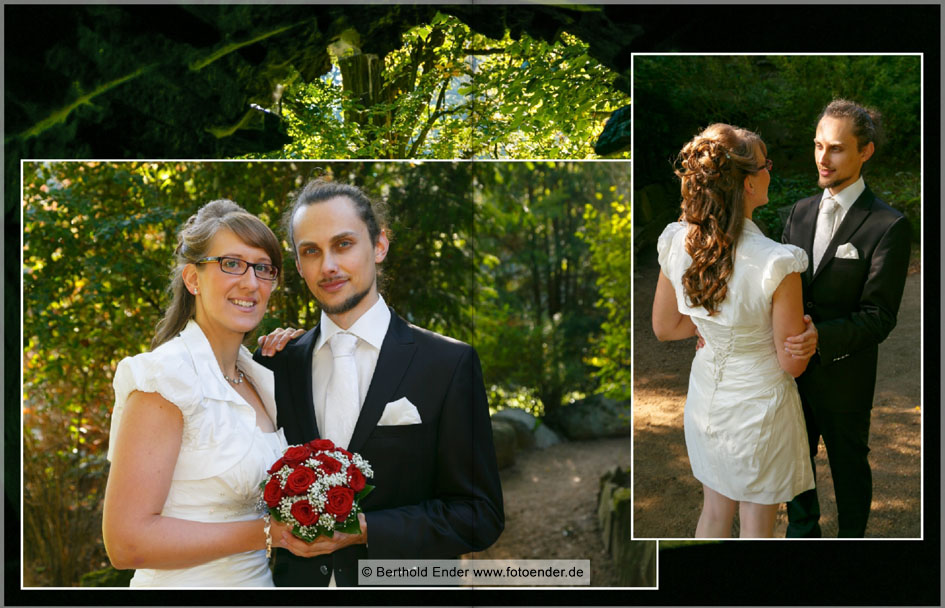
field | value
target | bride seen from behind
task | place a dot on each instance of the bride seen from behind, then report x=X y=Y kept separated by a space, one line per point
x=193 y=429
x=722 y=279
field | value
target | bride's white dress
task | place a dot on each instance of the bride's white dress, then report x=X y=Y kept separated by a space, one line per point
x=743 y=420
x=223 y=456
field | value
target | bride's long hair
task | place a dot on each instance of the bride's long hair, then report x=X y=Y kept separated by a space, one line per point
x=712 y=168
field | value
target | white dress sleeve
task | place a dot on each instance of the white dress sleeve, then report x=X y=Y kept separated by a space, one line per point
x=212 y=422
x=784 y=260
x=668 y=257
x=175 y=379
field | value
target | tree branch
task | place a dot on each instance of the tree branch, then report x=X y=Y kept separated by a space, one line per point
x=434 y=116
x=60 y=115
x=235 y=46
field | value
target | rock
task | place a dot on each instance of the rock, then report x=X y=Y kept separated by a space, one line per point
x=545 y=437
x=524 y=423
x=591 y=418
x=504 y=437
x=616 y=134
x=635 y=559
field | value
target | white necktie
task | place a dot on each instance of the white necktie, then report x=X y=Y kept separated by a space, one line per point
x=342 y=402
x=826 y=221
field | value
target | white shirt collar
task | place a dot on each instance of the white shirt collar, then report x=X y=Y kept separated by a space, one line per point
x=848 y=195
x=370 y=327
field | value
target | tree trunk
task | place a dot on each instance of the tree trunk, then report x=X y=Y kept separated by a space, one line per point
x=361 y=77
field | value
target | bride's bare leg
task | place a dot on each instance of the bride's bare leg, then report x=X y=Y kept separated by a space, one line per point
x=755 y=520
x=717 y=514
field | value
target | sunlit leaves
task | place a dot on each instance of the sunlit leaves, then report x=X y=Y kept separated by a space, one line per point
x=608 y=234
x=449 y=92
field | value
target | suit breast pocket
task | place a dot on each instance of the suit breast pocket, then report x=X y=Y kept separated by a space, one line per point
x=403 y=460
x=841 y=284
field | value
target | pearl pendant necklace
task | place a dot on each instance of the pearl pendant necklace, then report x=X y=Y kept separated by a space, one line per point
x=238 y=379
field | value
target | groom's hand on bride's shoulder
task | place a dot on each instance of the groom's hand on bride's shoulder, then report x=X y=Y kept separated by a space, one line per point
x=276 y=340
x=321 y=545
x=803 y=345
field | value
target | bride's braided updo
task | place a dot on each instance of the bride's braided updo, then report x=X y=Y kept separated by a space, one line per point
x=712 y=168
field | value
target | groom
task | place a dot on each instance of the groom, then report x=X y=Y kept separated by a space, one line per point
x=414 y=405
x=858 y=249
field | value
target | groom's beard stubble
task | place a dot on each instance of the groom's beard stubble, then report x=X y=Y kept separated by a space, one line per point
x=345 y=306
x=823 y=182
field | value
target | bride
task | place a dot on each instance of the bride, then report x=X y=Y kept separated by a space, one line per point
x=741 y=292
x=193 y=429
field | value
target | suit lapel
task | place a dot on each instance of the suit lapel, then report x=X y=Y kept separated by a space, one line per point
x=392 y=362
x=851 y=222
x=300 y=385
x=806 y=226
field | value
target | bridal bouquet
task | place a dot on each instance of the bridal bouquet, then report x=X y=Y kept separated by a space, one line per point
x=316 y=488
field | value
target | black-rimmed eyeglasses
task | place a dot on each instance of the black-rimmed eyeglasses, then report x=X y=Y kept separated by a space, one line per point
x=229 y=265
x=768 y=165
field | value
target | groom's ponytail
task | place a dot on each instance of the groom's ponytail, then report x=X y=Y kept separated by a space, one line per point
x=712 y=168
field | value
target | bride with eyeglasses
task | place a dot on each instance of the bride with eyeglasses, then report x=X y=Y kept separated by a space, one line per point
x=193 y=430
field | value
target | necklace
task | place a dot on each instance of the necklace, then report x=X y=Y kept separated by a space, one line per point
x=239 y=377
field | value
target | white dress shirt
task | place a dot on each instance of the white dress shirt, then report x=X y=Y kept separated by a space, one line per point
x=370 y=328
x=845 y=198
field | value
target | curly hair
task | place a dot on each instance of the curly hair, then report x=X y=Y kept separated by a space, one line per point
x=712 y=167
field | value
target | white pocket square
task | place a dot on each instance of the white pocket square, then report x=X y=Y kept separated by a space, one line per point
x=400 y=412
x=847 y=252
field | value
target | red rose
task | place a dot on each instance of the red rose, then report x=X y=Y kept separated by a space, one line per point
x=279 y=464
x=355 y=478
x=328 y=464
x=296 y=455
x=338 y=502
x=303 y=513
x=299 y=481
x=273 y=492
x=320 y=444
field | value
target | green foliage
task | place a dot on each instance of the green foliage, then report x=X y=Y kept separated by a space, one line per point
x=902 y=190
x=449 y=92
x=106 y=577
x=778 y=96
x=536 y=311
x=522 y=398
x=608 y=234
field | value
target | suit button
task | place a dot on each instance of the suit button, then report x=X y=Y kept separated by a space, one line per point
x=324 y=569
x=809 y=305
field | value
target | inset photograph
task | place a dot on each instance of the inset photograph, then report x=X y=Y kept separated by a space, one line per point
x=777 y=281
x=307 y=355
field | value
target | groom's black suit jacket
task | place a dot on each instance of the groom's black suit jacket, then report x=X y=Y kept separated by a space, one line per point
x=437 y=493
x=853 y=303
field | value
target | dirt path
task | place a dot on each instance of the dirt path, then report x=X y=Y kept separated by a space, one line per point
x=667 y=499
x=551 y=505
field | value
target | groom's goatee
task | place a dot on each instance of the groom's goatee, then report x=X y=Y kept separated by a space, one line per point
x=345 y=306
